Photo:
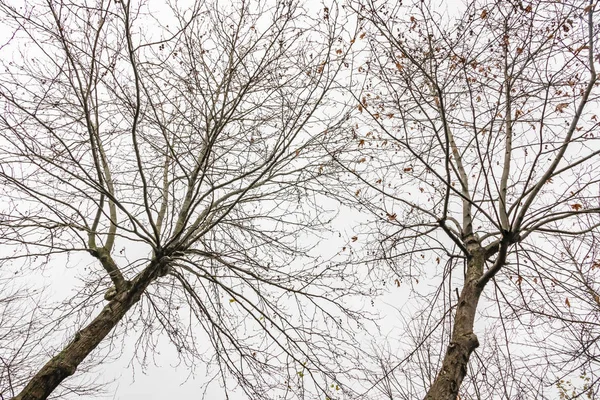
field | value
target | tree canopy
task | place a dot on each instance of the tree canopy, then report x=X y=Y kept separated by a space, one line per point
x=359 y=200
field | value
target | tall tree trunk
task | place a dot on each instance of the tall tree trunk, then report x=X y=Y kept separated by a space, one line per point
x=463 y=341
x=65 y=363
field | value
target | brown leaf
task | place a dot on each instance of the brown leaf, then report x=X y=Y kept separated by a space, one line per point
x=567 y=302
x=354 y=238
x=397 y=282
x=484 y=14
x=360 y=108
x=321 y=67
x=561 y=107
x=362 y=160
x=362 y=35
x=392 y=217
x=576 y=206
x=361 y=143
x=407 y=169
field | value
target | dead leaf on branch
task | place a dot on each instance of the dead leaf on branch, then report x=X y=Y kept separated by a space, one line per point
x=561 y=107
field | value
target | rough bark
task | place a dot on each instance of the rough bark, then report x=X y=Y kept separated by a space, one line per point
x=463 y=341
x=65 y=363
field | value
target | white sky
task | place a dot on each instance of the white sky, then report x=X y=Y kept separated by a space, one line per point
x=162 y=378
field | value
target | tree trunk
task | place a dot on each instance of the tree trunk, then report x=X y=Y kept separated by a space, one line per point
x=65 y=363
x=463 y=341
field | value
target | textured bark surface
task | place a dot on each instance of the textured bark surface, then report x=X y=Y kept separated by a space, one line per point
x=65 y=363
x=463 y=341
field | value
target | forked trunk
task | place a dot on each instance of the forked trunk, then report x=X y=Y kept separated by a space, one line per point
x=463 y=341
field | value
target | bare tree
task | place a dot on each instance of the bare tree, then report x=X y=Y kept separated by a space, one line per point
x=166 y=154
x=474 y=144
